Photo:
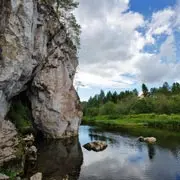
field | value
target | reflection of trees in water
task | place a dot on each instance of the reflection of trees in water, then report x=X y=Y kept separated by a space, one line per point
x=151 y=151
x=140 y=147
x=96 y=137
x=175 y=152
x=60 y=159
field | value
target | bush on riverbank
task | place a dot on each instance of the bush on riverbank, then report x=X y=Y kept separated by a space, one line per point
x=159 y=107
x=162 y=100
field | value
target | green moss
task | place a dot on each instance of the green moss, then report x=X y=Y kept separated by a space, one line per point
x=12 y=174
x=20 y=115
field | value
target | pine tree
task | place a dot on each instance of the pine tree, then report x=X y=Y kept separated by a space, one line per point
x=102 y=97
x=145 y=90
x=135 y=92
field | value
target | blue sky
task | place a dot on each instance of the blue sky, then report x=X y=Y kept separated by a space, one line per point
x=148 y=7
x=125 y=43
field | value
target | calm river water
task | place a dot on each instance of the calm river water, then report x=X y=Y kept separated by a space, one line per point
x=124 y=159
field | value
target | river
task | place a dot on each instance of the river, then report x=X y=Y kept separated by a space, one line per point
x=124 y=159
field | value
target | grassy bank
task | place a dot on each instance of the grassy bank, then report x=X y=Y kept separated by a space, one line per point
x=163 y=121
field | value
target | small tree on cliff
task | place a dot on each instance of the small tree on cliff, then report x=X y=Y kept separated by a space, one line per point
x=68 y=5
x=64 y=8
x=145 y=90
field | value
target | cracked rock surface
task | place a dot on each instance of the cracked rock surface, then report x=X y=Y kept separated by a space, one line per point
x=37 y=55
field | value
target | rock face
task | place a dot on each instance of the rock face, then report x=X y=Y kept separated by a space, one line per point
x=38 y=55
x=37 y=176
x=3 y=177
x=8 y=142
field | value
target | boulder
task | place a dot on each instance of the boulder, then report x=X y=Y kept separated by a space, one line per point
x=147 y=139
x=31 y=153
x=150 y=139
x=4 y=177
x=96 y=146
x=141 y=139
x=29 y=139
x=8 y=142
x=37 y=176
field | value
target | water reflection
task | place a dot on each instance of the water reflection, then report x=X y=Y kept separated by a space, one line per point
x=151 y=151
x=178 y=176
x=124 y=159
x=127 y=159
x=97 y=137
x=60 y=159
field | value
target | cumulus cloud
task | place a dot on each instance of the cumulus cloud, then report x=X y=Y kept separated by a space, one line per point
x=113 y=41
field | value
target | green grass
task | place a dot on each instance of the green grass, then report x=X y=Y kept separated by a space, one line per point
x=163 y=121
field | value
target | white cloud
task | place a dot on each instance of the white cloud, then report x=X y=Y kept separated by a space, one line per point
x=161 y=66
x=111 y=44
x=168 y=50
x=96 y=80
x=176 y=24
x=160 y=23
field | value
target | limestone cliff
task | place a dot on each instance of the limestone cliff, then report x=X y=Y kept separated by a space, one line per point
x=8 y=142
x=38 y=55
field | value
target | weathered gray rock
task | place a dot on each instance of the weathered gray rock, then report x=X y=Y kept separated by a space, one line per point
x=37 y=176
x=8 y=142
x=150 y=140
x=4 y=106
x=96 y=146
x=31 y=153
x=36 y=49
x=3 y=177
x=55 y=104
x=29 y=140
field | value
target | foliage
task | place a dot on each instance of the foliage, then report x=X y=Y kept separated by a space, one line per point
x=67 y=4
x=108 y=109
x=20 y=115
x=144 y=90
x=161 y=100
x=63 y=10
x=12 y=174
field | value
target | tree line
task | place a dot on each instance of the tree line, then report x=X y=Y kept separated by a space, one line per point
x=162 y=100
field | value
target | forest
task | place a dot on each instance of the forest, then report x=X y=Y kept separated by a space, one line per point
x=162 y=100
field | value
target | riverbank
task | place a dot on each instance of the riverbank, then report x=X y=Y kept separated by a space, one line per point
x=162 y=121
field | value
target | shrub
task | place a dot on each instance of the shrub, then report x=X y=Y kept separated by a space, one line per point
x=20 y=115
x=108 y=109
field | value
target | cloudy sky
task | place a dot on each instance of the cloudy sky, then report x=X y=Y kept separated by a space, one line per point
x=125 y=43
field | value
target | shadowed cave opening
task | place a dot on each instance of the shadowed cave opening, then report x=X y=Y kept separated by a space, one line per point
x=20 y=113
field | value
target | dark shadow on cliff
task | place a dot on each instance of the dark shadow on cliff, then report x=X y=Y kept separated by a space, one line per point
x=60 y=159
x=20 y=113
